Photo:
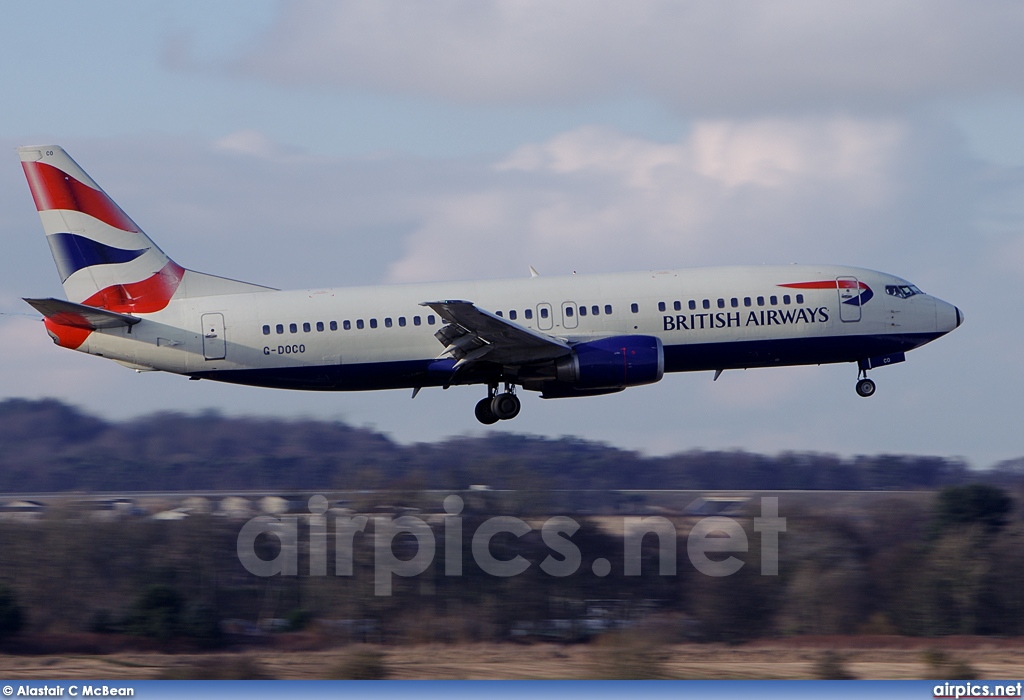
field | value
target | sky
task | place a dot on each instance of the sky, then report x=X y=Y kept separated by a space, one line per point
x=311 y=144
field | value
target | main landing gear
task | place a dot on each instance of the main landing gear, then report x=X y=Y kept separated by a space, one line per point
x=865 y=387
x=496 y=407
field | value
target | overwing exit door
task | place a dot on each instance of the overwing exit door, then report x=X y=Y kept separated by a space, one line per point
x=545 y=319
x=569 y=312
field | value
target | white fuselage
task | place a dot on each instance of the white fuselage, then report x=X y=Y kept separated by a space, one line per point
x=382 y=337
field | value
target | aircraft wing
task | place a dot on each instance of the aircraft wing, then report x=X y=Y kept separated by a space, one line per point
x=473 y=334
x=68 y=313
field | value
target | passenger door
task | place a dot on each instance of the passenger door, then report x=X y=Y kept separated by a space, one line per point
x=214 y=342
x=849 y=299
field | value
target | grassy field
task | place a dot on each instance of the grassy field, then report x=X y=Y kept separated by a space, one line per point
x=792 y=658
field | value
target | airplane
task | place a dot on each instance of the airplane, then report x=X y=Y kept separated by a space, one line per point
x=566 y=336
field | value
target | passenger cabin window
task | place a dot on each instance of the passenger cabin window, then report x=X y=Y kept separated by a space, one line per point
x=280 y=329
x=746 y=301
x=544 y=312
x=706 y=303
x=721 y=303
x=734 y=302
x=785 y=299
x=306 y=328
x=583 y=310
x=774 y=300
x=416 y=320
x=760 y=301
x=320 y=326
x=293 y=328
x=499 y=313
x=359 y=324
x=692 y=305
x=387 y=322
x=528 y=313
x=595 y=310
x=661 y=306
x=799 y=298
x=677 y=305
x=430 y=319
x=634 y=307
x=266 y=330
x=512 y=314
x=568 y=311
x=373 y=323
x=401 y=321
x=608 y=309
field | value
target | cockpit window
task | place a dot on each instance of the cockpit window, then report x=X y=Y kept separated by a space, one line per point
x=902 y=291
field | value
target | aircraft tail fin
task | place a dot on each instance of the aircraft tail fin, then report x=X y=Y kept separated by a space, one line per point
x=104 y=259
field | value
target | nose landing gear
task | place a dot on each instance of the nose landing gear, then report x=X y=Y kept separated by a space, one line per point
x=495 y=407
x=865 y=387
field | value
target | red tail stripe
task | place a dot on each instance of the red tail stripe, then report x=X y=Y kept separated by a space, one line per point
x=55 y=189
x=145 y=297
x=149 y=295
x=70 y=337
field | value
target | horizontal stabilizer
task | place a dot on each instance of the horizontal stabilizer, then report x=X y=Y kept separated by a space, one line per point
x=68 y=313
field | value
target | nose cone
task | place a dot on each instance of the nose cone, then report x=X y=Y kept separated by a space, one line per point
x=947 y=316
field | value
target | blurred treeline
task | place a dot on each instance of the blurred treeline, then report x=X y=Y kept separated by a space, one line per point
x=949 y=561
x=48 y=446
x=942 y=564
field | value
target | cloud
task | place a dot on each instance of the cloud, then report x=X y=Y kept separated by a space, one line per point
x=707 y=57
x=730 y=192
x=775 y=153
x=250 y=142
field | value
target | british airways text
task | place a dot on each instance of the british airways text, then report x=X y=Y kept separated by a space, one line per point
x=734 y=319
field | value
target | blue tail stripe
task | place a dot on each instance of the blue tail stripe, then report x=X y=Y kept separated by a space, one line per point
x=72 y=253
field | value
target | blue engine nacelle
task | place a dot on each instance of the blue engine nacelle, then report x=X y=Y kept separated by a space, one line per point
x=610 y=364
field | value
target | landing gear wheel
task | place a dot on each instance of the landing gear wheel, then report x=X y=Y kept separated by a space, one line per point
x=505 y=406
x=484 y=414
x=865 y=387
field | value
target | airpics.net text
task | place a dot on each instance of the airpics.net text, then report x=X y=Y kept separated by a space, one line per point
x=710 y=535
